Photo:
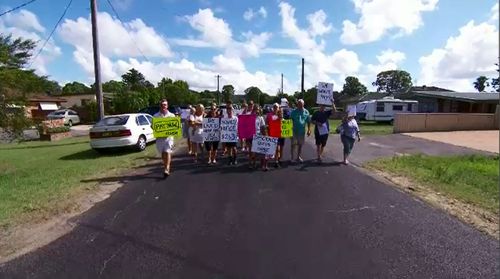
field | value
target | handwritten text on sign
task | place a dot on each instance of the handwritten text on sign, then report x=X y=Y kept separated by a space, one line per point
x=264 y=145
x=229 y=130
x=325 y=94
x=211 y=129
x=286 y=128
x=167 y=127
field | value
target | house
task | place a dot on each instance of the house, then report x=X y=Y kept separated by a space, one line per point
x=38 y=107
x=453 y=102
x=78 y=100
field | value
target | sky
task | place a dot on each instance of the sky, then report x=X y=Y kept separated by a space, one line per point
x=445 y=43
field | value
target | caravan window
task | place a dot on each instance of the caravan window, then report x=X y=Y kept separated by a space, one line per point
x=380 y=106
x=409 y=107
x=397 y=107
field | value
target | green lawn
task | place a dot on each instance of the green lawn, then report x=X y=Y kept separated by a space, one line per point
x=367 y=127
x=469 y=178
x=38 y=179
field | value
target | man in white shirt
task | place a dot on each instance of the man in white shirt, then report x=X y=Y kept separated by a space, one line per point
x=165 y=145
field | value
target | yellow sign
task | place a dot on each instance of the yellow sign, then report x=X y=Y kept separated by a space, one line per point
x=286 y=128
x=167 y=127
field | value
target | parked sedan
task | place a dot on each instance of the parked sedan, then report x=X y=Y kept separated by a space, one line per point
x=123 y=130
x=70 y=116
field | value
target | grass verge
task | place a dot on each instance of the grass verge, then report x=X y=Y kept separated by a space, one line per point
x=39 y=179
x=472 y=179
x=367 y=127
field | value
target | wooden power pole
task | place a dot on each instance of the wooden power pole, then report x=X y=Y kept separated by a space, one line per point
x=302 y=83
x=97 y=60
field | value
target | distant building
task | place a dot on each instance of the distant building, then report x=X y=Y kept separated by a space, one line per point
x=453 y=102
x=38 y=107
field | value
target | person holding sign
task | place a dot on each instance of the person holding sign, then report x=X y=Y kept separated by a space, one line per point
x=321 y=128
x=212 y=132
x=165 y=145
x=230 y=138
x=196 y=130
x=277 y=115
x=348 y=131
x=260 y=123
x=300 y=117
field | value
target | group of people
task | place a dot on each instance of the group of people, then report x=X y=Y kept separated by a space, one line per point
x=300 y=117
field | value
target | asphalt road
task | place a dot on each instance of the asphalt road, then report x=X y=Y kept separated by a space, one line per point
x=301 y=221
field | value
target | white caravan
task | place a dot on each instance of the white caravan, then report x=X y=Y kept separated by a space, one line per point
x=384 y=109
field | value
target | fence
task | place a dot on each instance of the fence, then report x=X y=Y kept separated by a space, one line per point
x=431 y=122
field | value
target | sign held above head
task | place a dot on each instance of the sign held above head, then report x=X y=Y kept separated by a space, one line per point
x=325 y=94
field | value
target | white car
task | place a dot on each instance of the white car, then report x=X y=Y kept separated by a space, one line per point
x=123 y=130
x=70 y=116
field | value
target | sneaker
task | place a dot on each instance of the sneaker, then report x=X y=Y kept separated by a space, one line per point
x=277 y=165
x=235 y=162
x=214 y=161
x=300 y=160
x=209 y=162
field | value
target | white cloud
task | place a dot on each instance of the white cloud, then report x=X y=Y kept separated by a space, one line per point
x=391 y=56
x=378 y=17
x=213 y=30
x=250 y=14
x=466 y=56
x=116 y=39
x=318 y=27
x=494 y=14
x=25 y=24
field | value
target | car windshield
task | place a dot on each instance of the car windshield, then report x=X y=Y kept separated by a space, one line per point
x=58 y=113
x=113 y=121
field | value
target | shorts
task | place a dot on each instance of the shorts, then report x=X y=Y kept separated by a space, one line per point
x=209 y=145
x=281 y=141
x=321 y=139
x=298 y=139
x=165 y=145
x=230 y=144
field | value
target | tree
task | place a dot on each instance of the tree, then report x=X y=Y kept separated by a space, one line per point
x=182 y=84
x=481 y=83
x=310 y=97
x=75 y=88
x=114 y=86
x=495 y=82
x=352 y=87
x=15 y=54
x=135 y=80
x=393 y=81
x=227 y=92
x=253 y=93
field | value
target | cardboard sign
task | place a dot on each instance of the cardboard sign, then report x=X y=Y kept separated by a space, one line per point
x=167 y=127
x=351 y=110
x=264 y=145
x=211 y=129
x=246 y=125
x=185 y=113
x=286 y=128
x=229 y=130
x=274 y=127
x=325 y=93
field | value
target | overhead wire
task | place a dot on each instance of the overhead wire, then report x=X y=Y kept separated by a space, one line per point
x=51 y=33
x=130 y=36
x=16 y=8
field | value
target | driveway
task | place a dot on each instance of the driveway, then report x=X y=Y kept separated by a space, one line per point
x=301 y=221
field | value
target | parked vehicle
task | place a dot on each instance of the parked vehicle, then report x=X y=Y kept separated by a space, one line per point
x=70 y=116
x=384 y=109
x=133 y=129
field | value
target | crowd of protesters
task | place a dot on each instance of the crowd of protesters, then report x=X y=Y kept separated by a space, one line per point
x=301 y=119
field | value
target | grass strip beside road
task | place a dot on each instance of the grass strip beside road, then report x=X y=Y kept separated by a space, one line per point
x=366 y=127
x=470 y=178
x=39 y=179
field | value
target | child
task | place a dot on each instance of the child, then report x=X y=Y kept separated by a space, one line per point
x=265 y=158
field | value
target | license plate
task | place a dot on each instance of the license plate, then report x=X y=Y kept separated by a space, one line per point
x=107 y=134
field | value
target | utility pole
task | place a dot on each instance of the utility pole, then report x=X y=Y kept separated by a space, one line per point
x=302 y=83
x=218 y=91
x=281 y=83
x=97 y=60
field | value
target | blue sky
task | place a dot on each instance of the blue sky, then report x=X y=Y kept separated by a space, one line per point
x=445 y=43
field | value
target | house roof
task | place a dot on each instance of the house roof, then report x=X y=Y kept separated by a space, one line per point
x=42 y=98
x=429 y=88
x=465 y=96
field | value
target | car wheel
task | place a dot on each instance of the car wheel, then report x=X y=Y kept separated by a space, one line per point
x=391 y=122
x=141 y=143
x=70 y=123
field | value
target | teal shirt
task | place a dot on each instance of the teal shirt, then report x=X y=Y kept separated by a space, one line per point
x=300 y=118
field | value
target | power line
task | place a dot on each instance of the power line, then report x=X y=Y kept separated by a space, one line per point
x=131 y=38
x=51 y=33
x=18 y=7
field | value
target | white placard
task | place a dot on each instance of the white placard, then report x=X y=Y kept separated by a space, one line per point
x=264 y=145
x=229 y=129
x=211 y=129
x=325 y=93
x=351 y=110
x=185 y=113
x=323 y=129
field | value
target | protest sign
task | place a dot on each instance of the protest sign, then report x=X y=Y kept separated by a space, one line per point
x=274 y=127
x=286 y=128
x=264 y=145
x=325 y=94
x=211 y=129
x=229 y=129
x=246 y=125
x=167 y=126
x=351 y=110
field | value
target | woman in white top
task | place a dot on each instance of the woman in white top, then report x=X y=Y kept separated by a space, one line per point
x=259 y=123
x=196 y=130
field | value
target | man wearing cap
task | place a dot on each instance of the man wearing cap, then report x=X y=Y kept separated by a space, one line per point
x=300 y=117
